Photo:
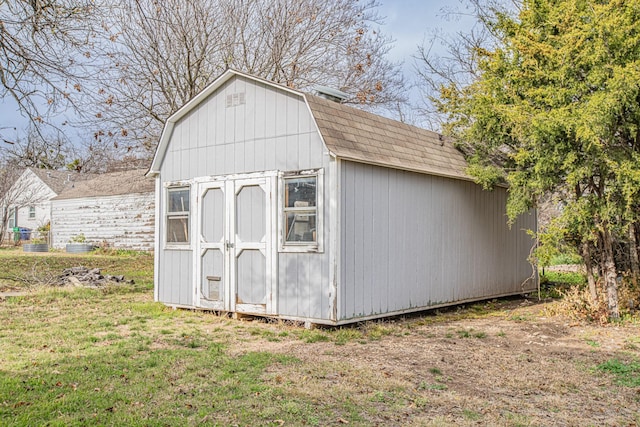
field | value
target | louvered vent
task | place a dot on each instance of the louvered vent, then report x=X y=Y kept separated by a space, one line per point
x=235 y=99
x=331 y=94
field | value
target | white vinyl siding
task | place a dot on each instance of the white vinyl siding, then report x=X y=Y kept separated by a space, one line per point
x=410 y=241
x=272 y=131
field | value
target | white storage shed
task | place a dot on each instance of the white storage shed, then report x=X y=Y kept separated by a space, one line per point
x=274 y=202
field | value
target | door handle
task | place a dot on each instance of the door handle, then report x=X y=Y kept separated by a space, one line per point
x=228 y=244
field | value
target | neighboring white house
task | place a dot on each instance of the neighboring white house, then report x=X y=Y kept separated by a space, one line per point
x=29 y=198
x=116 y=209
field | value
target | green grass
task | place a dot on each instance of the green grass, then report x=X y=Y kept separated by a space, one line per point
x=625 y=373
x=463 y=333
x=311 y=336
x=520 y=318
x=566 y=258
x=471 y=415
x=114 y=386
x=112 y=356
x=468 y=333
x=29 y=270
x=430 y=386
x=553 y=283
x=374 y=331
x=345 y=335
x=564 y=278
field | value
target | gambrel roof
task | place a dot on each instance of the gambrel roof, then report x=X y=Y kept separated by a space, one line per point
x=358 y=135
x=352 y=134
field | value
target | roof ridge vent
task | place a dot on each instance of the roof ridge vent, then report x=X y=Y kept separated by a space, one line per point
x=331 y=94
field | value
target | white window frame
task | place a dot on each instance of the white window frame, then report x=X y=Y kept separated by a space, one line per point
x=318 y=245
x=167 y=215
x=32 y=212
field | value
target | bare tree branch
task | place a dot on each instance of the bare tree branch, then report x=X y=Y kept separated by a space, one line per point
x=164 y=53
x=44 y=49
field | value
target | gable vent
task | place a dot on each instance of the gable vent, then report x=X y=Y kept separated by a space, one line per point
x=235 y=99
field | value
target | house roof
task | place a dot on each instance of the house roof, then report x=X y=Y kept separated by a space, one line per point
x=110 y=184
x=58 y=181
x=351 y=134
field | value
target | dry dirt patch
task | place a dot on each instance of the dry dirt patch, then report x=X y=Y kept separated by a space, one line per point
x=514 y=366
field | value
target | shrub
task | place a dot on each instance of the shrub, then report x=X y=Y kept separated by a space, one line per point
x=577 y=303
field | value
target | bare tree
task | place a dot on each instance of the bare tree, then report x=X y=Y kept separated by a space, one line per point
x=302 y=44
x=451 y=60
x=38 y=151
x=158 y=55
x=163 y=53
x=44 y=48
x=92 y=157
x=15 y=193
x=8 y=176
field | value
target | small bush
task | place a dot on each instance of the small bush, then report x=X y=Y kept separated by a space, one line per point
x=566 y=258
x=577 y=303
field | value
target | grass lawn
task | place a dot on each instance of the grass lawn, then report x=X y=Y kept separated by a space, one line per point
x=111 y=356
x=76 y=356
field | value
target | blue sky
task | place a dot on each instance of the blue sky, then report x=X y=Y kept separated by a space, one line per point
x=407 y=21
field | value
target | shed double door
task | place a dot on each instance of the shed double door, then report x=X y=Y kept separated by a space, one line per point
x=234 y=245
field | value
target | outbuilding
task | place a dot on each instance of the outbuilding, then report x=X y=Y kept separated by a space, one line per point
x=278 y=203
x=114 y=209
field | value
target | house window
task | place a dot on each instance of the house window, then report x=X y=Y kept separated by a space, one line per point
x=32 y=212
x=301 y=215
x=178 y=215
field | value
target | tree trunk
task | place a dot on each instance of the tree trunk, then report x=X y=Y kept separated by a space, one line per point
x=633 y=252
x=591 y=280
x=4 y=218
x=609 y=274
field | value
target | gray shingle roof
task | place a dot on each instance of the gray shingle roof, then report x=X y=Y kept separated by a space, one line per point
x=110 y=184
x=366 y=137
x=58 y=181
